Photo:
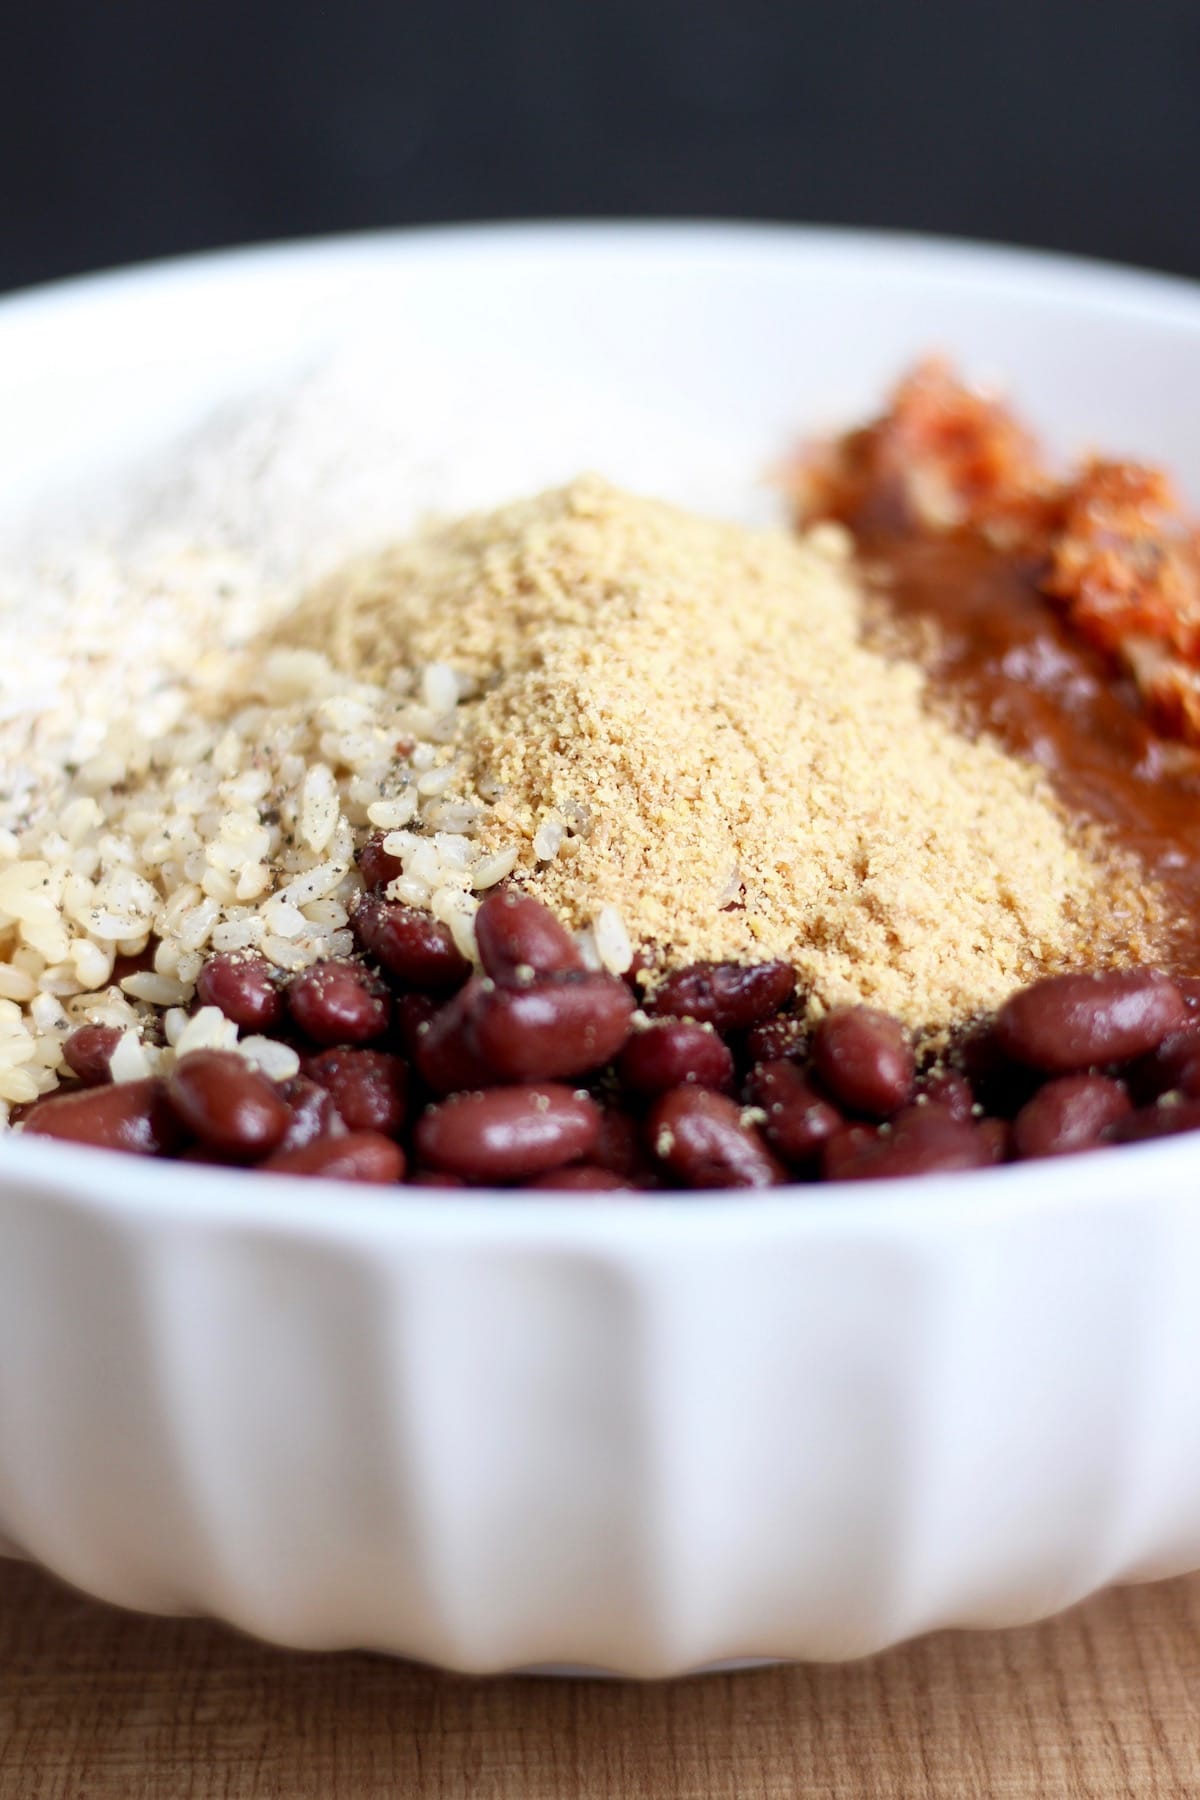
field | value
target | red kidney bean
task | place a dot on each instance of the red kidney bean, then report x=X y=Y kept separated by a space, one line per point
x=619 y=1147
x=444 y=1051
x=799 y=1119
x=411 y=945
x=245 y=987
x=88 y=1053
x=1168 y=1118
x=369 y=1087
x=508 y=1134
x=313 y=1114
x=519 y=938
x=141 y=964
x=560 y=1025
x=435 y=1178
x=339 y=1003
x=1173 y=1065
x=1068 y=1023
x=127 y=1115
x=643 y=962
x=213 y=1159
x=702 y=1140
x=230 y=1106
x=582 y=1178
x=924 y=1140
x=997 y=1137
x=411 y=1013
x=999 y=1085
x=786 y=1035
x=846 y=1150
x=946 y=1087
x=376 y=865
x=729 y=995
x=865 y=1060
x=669 y=1052
x=1189 y=987
x=1069 y=1114
x=358 y=1156
x=1187 y=1077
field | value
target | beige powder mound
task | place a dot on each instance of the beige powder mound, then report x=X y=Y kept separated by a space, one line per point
x=676 y=718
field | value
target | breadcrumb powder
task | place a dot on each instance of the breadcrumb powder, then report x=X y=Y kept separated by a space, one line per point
x=678 y=728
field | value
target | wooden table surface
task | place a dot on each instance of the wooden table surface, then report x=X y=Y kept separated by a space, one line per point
x=94 y=1703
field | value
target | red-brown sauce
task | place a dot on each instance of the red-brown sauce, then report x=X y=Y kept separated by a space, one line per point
x=1007 y=662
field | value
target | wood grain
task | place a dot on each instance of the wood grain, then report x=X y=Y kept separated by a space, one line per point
x=1101 y=1703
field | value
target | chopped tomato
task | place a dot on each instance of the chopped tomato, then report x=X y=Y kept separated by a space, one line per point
x=1110 y=543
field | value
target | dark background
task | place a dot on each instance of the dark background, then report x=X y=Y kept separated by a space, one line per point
x=132 y=129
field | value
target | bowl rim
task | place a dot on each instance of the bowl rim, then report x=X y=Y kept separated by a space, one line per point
x=976 y=262
x=130 y=1187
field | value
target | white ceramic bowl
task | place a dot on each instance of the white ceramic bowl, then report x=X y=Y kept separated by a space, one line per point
x=638 y=1435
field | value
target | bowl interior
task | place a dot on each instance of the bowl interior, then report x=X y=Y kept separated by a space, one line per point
x=729 y=342
x=743 y=336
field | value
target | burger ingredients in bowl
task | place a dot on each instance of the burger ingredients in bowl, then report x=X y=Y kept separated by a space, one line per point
x=594 y=843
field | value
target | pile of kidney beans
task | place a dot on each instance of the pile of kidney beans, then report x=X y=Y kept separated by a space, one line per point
x=537 y=1072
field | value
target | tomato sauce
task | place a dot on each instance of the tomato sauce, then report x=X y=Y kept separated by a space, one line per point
x=1008 y=662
